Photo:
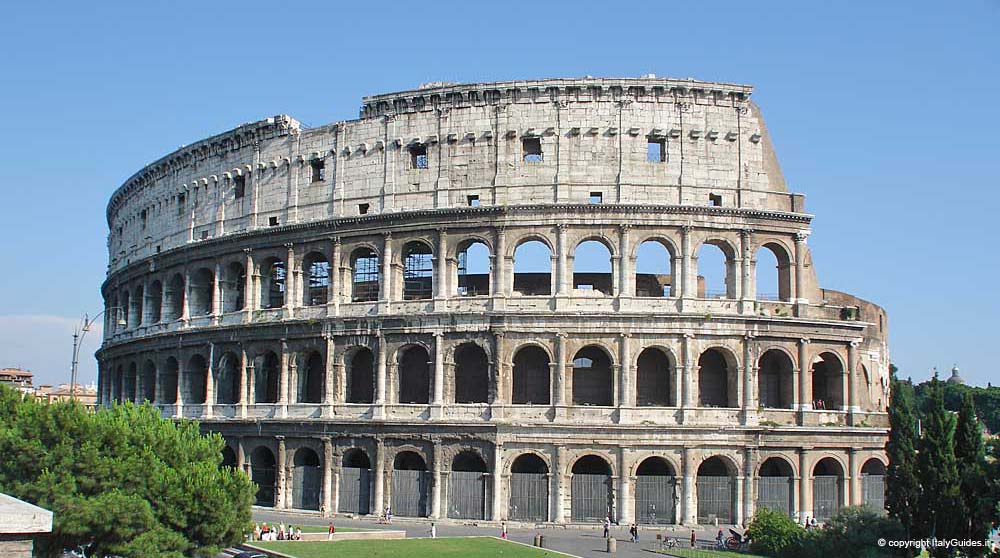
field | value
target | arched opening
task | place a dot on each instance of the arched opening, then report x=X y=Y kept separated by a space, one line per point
x=118 y=385
x=473 y=269
x=307 y=478
x=591 y=490
x=195 y=376
x=467 y=487
x=716 y=491
x=227 y=391
x=168 y=381
x=654 y=379
x=130 y=382
x=656 y=492
x=529 y=489
x=234 y=288
x=360 y=376
x=173 y=298
x=272 y=283
x=533 y=269
x=472 y=374
x=365 y=276
x=775 y=485
x=155 y=296
x=418 y=271
x=127 y=310
x=531 y=376
x=202 y=287
x=775 y=385
x=716 y=271
x=593 y=381
x=137 y=310
x=148 y=382
x=774 y=273
x=716 y=380
x=266 y=377
x=873 y=485
x=228 y=457
x=827 y=382
x=355 y=483
x=414 y=375
x=317 y=271
x=262 y=473
x=654 y=270
x=592 y=268
x=828 y=482
x=311 y=379
x=410 y=485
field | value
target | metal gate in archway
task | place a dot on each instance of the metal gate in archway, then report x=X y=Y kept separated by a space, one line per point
x=467 y=495
x=591 y=497
x=716 y=499
x=775 y=493
x=873 y=492
x=264 y=478
x=655 y=499
x=409 y=493
x=529 y=497
x=355 y=490
x=306 y=484
x=826 y=496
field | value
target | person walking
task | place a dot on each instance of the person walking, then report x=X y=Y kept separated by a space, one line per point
x=634 y=531
x=720 y=539
x=434 y=531
x=503 y=530
x=330 y=531
x=607 y=526
x=693 y=538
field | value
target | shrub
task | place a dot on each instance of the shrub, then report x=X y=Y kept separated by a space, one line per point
x=852 y=533
x=771 y=532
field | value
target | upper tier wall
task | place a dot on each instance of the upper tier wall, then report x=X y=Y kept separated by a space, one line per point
x=594 y=136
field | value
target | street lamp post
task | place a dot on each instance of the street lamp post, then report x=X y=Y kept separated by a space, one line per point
x=78 y=334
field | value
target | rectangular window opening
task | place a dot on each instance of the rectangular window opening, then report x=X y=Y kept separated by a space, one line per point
x=596 y=197
x=272 y=221
x=418 y=156
x=656 y=150
x=473 y=201
x=715 y=199
x=362 y=208
x=204 y=235
x=240 y=186
x=142 y=218
x=180 y=204
x=318 y=170
x=532 y=149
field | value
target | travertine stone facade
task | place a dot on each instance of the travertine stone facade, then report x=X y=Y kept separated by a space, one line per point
x=311 y=294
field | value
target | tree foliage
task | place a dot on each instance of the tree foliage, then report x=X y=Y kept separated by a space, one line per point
x=121 y=481
x=939 y=514
x=977 y=515
x=852 y=533
x=771 y=532
x=902 y=485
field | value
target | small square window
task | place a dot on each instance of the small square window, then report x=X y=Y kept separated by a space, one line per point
x=418 y=156
x=596 y=197
x=318 y=170
x=272 y=221
x=239 y=186
x=204 y=235
x=656 y=150
x=473 y=201
x=362 y=208
x=532 y=149
x=715 y=199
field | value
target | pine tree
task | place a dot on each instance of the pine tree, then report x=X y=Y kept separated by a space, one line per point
x=902 y=486
x=971 y=458
x=940 y=511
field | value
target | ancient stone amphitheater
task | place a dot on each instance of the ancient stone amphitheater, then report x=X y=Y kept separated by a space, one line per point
x=539 y=301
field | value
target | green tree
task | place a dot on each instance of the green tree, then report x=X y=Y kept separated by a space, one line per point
x=939 y=514
x=971 y=458
x=853 y=533
x=902 y=485
x=121 y=481
x=771 y=532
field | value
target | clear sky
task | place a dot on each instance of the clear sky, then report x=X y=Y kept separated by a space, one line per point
x=884 y=114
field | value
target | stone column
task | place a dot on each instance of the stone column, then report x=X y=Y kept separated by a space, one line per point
x=750 y=400
x=497 y=503
x=331 y=379
x=186 y=303
x=245 y=378
x=441 y=265
x=216 y=291
x=499 y=394
x=805 y=486
x=379 y=481
x=559 y=490
x=500 y=263
x=380 y=373
x=749 y=482
x=852 y=478
x=385 y=293
x=626 y=507
x=241 y=456
x=181 y=373
x=800 y=266
x=287 y=362
x=805 y=376
x=689 y=265
x=280 y=500
x=689 y=510
x=626 y=384
x=560 y=383
x=438 y=368
x=562 y=287
x=625 y=287
x=328 y=506
x=210 y=382
x=740 y=494
x=852 y=376
x=249 y=299
x=690 y=380
x=746 y=244
x=436 y=481
x=292 y=275
x=333 y=291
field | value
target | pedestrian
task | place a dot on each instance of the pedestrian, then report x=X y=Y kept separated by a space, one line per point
x=720 y=539
x=634 y=531
x=298 y=533
x=693 y=539
x=807 y=524
x=256 y=531
x=503 y=530
x=330 y=532
x=607 y=526
x=813 y=523
x=434 y=532
x=388 y=515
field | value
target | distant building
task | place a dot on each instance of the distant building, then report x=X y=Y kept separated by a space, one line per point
x=955 y=378
x=87 y=395
x=16 y=377
x=20 y=523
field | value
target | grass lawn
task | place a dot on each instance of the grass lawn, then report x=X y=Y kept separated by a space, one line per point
x=459 y=547
x=697 y=553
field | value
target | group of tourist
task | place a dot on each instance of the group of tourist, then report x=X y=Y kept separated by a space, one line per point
x=263 y=532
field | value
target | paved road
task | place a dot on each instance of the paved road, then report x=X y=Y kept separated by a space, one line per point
x=579 y=541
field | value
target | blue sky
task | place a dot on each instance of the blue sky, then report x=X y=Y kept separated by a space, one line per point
x=883 y=113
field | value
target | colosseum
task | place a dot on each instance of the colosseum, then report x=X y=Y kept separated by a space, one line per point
x=545 y=301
